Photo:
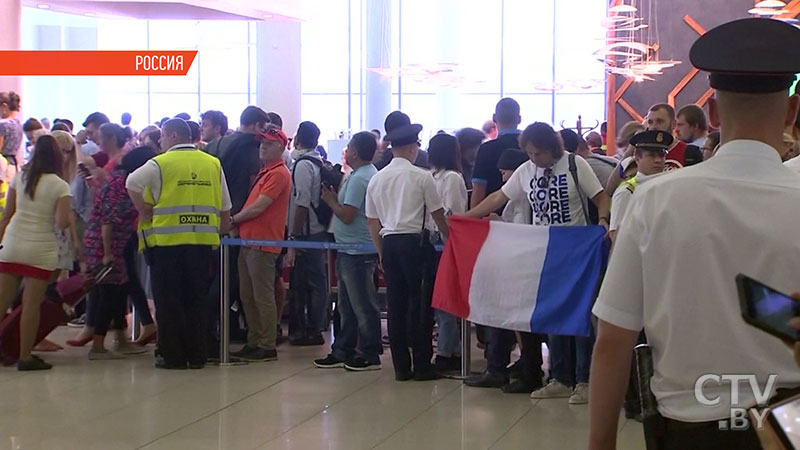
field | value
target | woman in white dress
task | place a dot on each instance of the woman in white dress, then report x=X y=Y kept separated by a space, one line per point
x=38 y=203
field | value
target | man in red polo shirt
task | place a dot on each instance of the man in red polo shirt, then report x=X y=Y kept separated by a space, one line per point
x=661 y=117
x=263 y=217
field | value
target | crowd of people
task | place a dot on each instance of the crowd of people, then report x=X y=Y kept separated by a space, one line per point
x=106 y=196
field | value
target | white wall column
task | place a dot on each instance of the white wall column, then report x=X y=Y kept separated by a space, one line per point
x=378 y=101
x=278 y=71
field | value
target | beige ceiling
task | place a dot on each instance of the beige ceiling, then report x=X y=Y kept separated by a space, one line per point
x=183 y=9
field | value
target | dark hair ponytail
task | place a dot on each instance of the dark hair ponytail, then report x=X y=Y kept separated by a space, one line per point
x=47 y=158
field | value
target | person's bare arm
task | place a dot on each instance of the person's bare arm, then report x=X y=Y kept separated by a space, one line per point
x=375 y=227
x=441 y=222
x=603 y=204
x=225 y=222
x=254 y=210
x=145 y=209
x=63 y=210
x=611 y=363
x=478 y=194
x=489 y=205
x=300 y=216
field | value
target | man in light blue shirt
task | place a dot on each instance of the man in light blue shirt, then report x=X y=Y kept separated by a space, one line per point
x=359 y=314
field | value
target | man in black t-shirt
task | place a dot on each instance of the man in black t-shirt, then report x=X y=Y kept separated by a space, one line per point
x=486 y=179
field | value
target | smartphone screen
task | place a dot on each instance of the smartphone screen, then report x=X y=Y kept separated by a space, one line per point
x=769 y=309
x=786 y=418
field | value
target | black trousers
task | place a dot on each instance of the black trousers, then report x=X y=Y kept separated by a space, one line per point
x=181 y=276
x=501 y=342
x=111 y=306
x=410 y=315
x=134 y=285
x=706 y=435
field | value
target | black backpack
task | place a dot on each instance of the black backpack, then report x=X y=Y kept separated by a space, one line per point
x=329 y=176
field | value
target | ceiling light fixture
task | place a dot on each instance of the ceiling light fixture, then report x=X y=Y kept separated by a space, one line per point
x=267 y=16
x=770 y=4
x=89 y=14
x=43 y=6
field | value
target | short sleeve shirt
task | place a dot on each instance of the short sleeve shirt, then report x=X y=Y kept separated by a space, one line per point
x=354 y=193
x=486 y=171
x=552 y=192
x=274 y=182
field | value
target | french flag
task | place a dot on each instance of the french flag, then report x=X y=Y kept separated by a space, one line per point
x=521 y=277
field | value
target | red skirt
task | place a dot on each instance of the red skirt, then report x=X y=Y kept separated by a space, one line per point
x=24 y=270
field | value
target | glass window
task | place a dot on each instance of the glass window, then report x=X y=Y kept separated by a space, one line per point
x=591 y=107
x=325 y=51
x=329 y=112
x=168 y=105
x=231 y=105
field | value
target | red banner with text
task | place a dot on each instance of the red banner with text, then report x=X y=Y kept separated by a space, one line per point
x=95 y=62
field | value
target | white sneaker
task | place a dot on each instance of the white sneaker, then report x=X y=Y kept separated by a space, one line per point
x=554 y=389
x=129 y=349
x=105 y=355
x=580 y=396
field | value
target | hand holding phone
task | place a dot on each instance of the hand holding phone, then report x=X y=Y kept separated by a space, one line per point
x=768 y=309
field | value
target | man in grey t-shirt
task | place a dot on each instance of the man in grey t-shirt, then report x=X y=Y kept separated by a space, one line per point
x=309 y=302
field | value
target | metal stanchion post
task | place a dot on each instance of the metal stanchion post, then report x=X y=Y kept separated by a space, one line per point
x=135 y=323
x=224 y=309
x=224 y=312
x=466 y=347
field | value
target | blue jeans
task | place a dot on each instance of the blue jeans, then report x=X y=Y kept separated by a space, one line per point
x=359 y=315
x=449 y=342
x=561 y=358
x=309 y=303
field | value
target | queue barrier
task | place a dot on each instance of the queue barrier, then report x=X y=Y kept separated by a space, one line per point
x=224 y=263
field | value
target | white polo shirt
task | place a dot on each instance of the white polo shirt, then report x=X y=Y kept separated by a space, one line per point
x=397 y=196
x=793 y=164
x=686 y=236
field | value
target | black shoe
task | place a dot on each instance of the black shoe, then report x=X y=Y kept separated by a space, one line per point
x=260 y=355
x=403 y=376
x=244 y=351
x=385 y=341
x=427 y=376
x=519 y=387
x=515 y=370
x=487 y=380
x=197 y=366
x=281 y=340
x=161 y=363
x=359 y=364
x=309 y=341
x=35 y=363
x=444 y=364
x=329 y=362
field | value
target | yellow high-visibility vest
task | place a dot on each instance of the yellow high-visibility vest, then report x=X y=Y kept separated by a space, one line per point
x=188 y=209
x=3 y=190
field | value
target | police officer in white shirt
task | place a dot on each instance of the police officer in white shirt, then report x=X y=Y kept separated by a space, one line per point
x=650 y=156
x=399 y=197
x=728 y=216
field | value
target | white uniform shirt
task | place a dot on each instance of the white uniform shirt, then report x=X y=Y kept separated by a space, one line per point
x=621 y=200
x=685 y=238
x=793 y=164
x=150 y=175
x=397 y=194
x=555 y=200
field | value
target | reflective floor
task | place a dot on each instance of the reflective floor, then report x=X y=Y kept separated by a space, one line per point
x=286 y=404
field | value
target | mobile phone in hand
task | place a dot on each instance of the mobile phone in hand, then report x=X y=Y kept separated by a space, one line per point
x=768 y=309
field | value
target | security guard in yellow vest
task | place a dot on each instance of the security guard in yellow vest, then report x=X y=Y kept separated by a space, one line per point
x=650 y=156
x=184 y=205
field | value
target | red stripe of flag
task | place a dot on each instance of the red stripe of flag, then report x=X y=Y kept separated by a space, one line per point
x=453 y=280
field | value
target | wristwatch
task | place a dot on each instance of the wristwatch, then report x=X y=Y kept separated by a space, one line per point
x=290 y=238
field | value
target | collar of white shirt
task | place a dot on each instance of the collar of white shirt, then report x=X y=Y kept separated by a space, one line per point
x=398 y=162
x=749 y=149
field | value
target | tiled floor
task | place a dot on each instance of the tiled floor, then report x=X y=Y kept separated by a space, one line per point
x=287 y=404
